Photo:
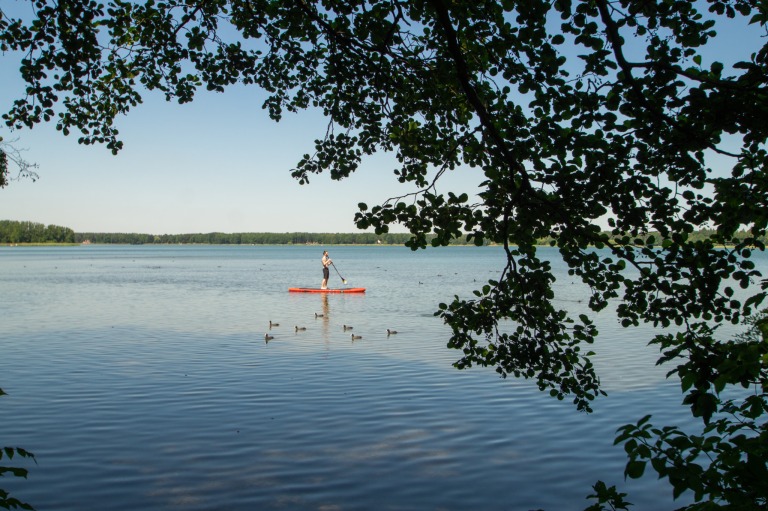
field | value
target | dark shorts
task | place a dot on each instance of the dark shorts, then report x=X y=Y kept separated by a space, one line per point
x=326 y=272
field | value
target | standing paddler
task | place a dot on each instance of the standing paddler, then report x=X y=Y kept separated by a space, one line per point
x=326 y=260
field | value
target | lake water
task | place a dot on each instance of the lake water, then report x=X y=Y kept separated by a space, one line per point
x=140 y=378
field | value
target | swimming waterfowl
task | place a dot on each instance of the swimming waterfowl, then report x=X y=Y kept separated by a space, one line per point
x=297 y=328
x=273 y=324
x=355 y=337
x=346 y=327
x=268 y=337
x=391 y=332
x=318 y=315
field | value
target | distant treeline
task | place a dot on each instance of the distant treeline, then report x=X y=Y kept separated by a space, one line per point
x=300 y=238
x=246 y=238
x=31 y=232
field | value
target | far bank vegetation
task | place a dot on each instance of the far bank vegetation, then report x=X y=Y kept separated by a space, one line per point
x=22 y=232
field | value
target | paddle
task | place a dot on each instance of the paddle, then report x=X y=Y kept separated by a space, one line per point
x=343 y=280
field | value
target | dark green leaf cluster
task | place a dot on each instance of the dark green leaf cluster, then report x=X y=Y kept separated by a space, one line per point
x=544 y=343
x=726 y=463
x=607 y=495
x=3 y=169
x=6 y=501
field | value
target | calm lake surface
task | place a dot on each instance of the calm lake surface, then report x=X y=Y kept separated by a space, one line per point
x=140 y=378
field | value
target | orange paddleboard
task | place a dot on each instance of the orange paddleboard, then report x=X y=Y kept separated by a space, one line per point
x=329 y=290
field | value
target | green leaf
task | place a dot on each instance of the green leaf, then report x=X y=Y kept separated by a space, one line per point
x=635 y=469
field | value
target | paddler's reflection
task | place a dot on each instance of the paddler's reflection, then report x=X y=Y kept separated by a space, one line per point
x=325 y=308
x=326 y=315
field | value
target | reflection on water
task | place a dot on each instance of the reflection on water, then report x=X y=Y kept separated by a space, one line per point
x=140 y=378
x=326 y=315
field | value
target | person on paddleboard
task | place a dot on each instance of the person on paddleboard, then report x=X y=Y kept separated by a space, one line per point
x=326 y=260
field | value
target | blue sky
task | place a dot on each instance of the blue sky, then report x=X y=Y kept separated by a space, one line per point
x=216 y=164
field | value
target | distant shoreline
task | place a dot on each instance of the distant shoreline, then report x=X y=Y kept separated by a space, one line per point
x=55 y=244
x=51 y=244
x=30 y=234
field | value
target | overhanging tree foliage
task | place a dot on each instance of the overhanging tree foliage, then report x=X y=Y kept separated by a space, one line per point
x=12 y=164
x=6 y=501
x=574 y=111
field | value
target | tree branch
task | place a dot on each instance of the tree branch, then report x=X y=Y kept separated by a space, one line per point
x=462 y=74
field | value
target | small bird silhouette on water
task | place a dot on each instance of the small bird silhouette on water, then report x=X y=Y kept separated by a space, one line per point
x=346 y=327
x=297 y=328
x=356 y=337
x=268 y=337
x=271 y=324
x=391 y=332
x=318 y=315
